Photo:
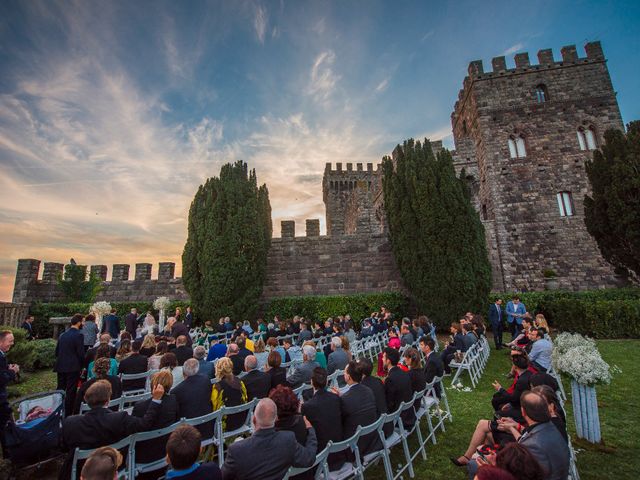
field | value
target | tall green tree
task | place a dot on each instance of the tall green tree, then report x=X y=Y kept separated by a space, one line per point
x=436 y=234
x=612 y=212
x=229 y=234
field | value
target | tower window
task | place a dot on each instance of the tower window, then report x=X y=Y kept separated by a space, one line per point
x=565 y=204
x=587 y=138
x=464 y=127
x=516 y=146
x=542 y=94
x=484 y=212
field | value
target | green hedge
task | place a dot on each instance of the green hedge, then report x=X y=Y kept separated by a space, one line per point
x=43 y=311
x=31 y=355
x=359 y=306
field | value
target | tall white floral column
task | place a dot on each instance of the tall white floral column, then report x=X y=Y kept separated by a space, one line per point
x=578 y=357
x=100 y=309
x=161 y=304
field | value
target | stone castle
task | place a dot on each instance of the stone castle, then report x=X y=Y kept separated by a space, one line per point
x=522 y=135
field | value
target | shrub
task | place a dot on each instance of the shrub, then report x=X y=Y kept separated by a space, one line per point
x=31 y=355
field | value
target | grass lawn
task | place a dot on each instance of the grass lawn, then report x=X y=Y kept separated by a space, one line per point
x=619 y=406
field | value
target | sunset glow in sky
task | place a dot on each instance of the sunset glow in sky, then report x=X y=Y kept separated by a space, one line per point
x=113 y=113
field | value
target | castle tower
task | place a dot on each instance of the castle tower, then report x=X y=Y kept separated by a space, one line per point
x=524 y=134
x=349 y=199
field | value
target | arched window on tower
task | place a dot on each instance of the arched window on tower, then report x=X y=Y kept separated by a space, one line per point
x=542 y=94
x=587 y=138
x=517 y=148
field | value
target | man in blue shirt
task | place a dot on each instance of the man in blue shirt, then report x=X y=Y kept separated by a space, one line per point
x=515 y=312
x=540 y=355
x=216 y=350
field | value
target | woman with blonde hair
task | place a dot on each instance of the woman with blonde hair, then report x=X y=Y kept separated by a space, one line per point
x=124 y=351
x=148 y=345
x=228 y=391
x=347 y=347
x=259 y=351
x=541 y=322
x=155 y=449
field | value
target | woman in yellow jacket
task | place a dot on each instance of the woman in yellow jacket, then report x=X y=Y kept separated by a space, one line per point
x=229 y=391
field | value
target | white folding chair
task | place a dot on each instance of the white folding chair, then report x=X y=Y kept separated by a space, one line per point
x=223 y=434
x=321 y=458
x=348 y=469
x=116 y=402
x=125 y=468
x=365 y=461
x=213 y=417
x=139 y=468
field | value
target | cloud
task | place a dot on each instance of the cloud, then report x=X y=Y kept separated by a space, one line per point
x=260 y=22
x=382 y=86
x=427 y=35
x=513 y=49
x=323 y=79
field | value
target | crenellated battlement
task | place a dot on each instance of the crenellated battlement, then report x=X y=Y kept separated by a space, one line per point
x=347 y=169
x=546 y=61
x=288 y=229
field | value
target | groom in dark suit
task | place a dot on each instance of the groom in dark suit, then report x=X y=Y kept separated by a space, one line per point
x=497 y=323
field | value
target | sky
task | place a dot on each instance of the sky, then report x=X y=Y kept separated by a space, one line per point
x=113 y=113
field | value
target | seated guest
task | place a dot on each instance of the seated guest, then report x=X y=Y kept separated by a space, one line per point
x=154 y=449
x=302 y=373
x=183 y=450
x=100 y=372
x=321 y=359
x=124 y=350
x=272 y=344
x=148 y=345
x=416 y=373
x=305 y=334
x=277 y=374
x=433 y=366
x=522 y=338
x=194 y=395
x=507 y=401
x=205 y=368
x=229 y=391
x=102 y=464
x=101 y=426
x=358 y=406
x=236 y=360
x=377 y=387
x=170 y=362
x=294 y=352
x=216 y=350
x=183 y=351
x=406 y=337
x=268 y=454
x=541 y=322
x=540 y=437
x=518 y=461
x=491 y=472
x=338 y=358
x=103 y=351
x=134 y=363
x=90 y=356
x=256 y=382
x=243 y=351
x=397 y=386
x=469 y=338
x=541 y=348
x=324 y=413
x=455 y=345
x=556 y=412
x=288 y=415
x=175 y=328
x=154 y=360
x=260 y=354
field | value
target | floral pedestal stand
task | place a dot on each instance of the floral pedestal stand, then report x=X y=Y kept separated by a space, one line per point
x=585 y=412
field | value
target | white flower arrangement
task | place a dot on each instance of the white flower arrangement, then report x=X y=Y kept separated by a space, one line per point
x=101 y=308
x=161 y=303
x=578 y=357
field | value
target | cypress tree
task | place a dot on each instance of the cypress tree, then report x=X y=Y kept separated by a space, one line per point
x=612 y=212
x=436 y=234
x=229 y=234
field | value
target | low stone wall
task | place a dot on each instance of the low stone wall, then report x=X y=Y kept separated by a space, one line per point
x=13 y=314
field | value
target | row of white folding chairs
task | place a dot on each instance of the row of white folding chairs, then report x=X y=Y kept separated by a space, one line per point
x=428 y=402
x=473 y=361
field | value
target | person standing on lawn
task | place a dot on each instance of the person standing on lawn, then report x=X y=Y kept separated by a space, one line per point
x=69 y=361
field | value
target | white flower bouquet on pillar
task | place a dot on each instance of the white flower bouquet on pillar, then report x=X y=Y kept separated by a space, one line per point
x=100 y=309
x=161 y=304
x=578 y=357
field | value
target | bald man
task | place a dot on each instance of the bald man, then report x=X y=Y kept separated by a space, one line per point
x=268 y=453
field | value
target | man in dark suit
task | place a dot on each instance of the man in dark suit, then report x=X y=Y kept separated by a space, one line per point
x=236 y=360
x=182 y=351
x=268 y=454
x=101 y=426
x=194 y=396
x=243 y=351
x=324 y=412
x=188 y=318
x=28 y=326
x=131 y=322
x=358 y=407
x=111 y=324
x=134 y=363
x=8 y=373
x=397 y=386
x=69 y=360
x=433 y=366
x=497 y=323
x=377 y=387
x=176 y=328
x=256 y=382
